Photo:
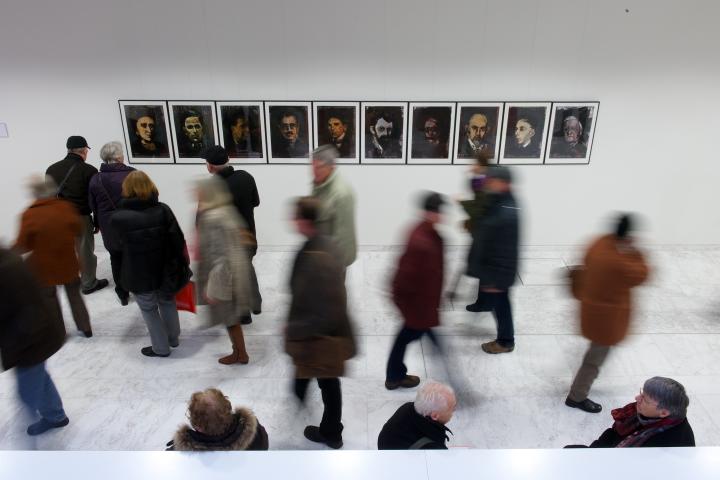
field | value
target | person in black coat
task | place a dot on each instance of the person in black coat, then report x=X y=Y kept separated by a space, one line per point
x=29 y=335
x=245 y=198
x=420 y=424
x=214 y=425
x=657 y=418
x=155 y=262
x=493 y=257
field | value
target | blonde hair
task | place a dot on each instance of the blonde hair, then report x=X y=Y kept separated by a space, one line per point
x=42 y=187
x=212 y=193
x=139 y=185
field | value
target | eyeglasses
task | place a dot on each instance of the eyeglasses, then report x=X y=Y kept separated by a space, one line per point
x=646 y=399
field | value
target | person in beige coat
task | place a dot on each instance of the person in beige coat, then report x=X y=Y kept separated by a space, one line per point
x=613 y=266
x=223 y=274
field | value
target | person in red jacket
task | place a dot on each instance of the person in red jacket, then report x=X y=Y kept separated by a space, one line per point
x=417 y=291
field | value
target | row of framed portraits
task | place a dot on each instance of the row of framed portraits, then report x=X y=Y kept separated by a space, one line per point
x=284 y=132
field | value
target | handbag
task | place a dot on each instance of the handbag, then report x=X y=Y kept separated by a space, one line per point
x=185 y=298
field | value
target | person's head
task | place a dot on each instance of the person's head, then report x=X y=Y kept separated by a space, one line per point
x=138 y=185
x=336 y=127
x=145 y=128
x=662 y=397
x=432 y=130
x=431 y=205
x=382 y=128
x=192 y=126
x=306 y=214
x=42 y=187
x=476 y=128
x=216 y=158
x=624 y=226
x=323 y=162
x=436 y=401
x=239 y=128
x=572 y=129
x=211 y=193
x=498 y=179
x=524 y=131
x=77 y=145
x=289 y=127
x=210 y=412
x=482 y=160
x=112 y=152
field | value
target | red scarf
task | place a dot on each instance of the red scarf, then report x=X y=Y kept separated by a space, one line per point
x=627 y=425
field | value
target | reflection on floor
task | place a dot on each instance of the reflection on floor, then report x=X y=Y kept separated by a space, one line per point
x=119 y=400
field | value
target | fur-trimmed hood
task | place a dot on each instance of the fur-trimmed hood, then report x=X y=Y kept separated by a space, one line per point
x=240 y=437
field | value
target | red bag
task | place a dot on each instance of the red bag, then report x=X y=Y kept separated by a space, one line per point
x=185 y=298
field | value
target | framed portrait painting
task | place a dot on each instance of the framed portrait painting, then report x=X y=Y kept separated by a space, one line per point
x=194 y=128
x=384 y=132
x=146 y=131
x=431 y=132
x=571 y=133
x=242 y=131
x=336 y=124
x=524 y=129
x=477 y=131
x=289 y=131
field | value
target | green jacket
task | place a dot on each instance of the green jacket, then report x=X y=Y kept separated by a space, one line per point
x=337 y=215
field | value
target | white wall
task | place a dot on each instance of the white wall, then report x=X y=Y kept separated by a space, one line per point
x=64 y=65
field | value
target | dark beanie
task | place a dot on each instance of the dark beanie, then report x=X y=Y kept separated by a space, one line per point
x=215 y=155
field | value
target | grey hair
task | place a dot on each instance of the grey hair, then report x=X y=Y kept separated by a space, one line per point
x=571 y=118
x=325 y=154
x=43 y=187
x=212 y=193
x=433 y=397
x=669 y=394
x=111 y=152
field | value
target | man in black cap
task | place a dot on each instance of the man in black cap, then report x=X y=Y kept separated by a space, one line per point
x=493 y=258
x=417 y=290
x=245 y=198
x=72 y=175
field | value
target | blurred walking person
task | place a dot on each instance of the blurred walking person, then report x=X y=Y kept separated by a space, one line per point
x=223 y=276
x=105 y=193
x=48 y=231
x=613 y=266
x=319 y=336
x=155 y=263
x=417 y=291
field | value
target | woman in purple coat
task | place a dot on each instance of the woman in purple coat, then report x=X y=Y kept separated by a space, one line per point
x=104 y=195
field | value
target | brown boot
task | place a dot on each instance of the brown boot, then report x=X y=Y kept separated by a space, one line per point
x=239 y=354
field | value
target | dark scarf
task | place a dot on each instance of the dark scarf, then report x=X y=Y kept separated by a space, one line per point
x=636 y=431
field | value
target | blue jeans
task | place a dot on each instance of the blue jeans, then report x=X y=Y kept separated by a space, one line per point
x=37 y=391
x=161 y=317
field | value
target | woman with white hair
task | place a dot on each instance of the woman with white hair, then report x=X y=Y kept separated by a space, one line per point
x=223 y=274
x=105 y=193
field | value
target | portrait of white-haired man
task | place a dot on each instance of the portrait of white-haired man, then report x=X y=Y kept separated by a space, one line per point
x=570 y=133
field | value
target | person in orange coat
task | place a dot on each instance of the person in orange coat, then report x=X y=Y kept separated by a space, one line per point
x=613 y=267
x=48 y=229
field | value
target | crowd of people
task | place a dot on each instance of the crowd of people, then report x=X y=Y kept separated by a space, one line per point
x=150 y=259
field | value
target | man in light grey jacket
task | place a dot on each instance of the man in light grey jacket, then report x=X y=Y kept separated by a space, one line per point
x=337 y=200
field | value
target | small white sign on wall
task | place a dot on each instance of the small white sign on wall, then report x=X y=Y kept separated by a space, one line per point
x=3 y=130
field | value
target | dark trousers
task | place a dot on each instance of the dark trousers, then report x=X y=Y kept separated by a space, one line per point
x=396 y=369
x=499 y=304
x=256 y=298
x=77 y=304
x=330 y=426
x=116 y=265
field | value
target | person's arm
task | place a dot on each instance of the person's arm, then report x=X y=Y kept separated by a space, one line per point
x=608 y=439
x=344 y=225
x=91 y=201
x=636 y=270
x=24 y=241
x=255 y=194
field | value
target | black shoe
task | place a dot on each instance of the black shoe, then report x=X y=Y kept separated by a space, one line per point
x=149 y=352
x=99 y=285
x=313 y=434
x=410 y=381
x=175 y=345
x=246 y=320
x=124 y=297
x=477 y=307
x=586 y=405
x=43 y=426
x=88 y=334
x=257 y=311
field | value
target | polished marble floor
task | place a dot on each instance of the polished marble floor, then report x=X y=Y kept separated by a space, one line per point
x=119 y=400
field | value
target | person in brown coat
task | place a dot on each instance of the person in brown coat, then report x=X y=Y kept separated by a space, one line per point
x=48 y=229
x=319 y=335
x=613 y=267
x=29 y=335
